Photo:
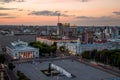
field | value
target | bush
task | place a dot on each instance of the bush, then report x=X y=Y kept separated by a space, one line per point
x=2 y=58
x=11 y=66
x=22 y=76
x=18 y=73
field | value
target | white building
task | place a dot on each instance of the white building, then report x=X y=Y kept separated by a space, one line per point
x=78 y=48
x=21 y=50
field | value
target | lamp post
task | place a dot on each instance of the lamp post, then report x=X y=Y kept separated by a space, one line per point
x=33 y=58
x=49 y=69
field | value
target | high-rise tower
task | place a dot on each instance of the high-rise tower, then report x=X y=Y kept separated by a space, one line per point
x=58 y=26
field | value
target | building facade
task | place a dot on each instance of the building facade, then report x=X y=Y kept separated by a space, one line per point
x=78 y=48
x=21 y=50
x=66 y=31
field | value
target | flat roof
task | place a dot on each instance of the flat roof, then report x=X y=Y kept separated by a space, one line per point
x=59 y=40
x=21 y=47
x=103 y=44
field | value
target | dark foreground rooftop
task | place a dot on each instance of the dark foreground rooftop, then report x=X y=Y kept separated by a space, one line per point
x=79 y=70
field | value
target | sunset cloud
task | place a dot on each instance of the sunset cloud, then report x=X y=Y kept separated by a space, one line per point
x=71 y=0
x=2 y=8
x=84 y=0
x=3 y=14
x=47 y=13
x=84 y=17
x=9 y=17
x=7 y=1
x=102 y=18
x=117 y=13
x=79 y=12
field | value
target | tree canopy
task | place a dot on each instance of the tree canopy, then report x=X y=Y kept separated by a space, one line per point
x=111 y=57
x=11 y=66
x=44 y=48
x=2 y=58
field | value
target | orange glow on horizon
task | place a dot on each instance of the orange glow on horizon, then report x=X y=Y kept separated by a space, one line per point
x=18 y=12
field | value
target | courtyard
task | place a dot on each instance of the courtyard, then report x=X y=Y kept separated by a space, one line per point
x=79 y=70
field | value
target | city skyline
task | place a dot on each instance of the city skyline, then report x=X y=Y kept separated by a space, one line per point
x=45 y=12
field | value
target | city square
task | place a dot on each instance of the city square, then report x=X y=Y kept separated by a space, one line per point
x=80 y=71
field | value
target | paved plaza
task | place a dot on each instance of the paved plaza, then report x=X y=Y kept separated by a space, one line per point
x=79 y=70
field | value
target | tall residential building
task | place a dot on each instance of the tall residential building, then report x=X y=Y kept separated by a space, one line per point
x=65 y=31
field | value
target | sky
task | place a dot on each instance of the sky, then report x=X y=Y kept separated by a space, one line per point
x=45 y=12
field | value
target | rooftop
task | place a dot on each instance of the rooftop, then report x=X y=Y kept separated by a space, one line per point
x=20 y=45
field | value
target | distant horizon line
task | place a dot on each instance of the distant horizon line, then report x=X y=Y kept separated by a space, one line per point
x=56 y=25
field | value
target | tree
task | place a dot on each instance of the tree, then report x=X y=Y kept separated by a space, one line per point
x=110 y=57
x=54 y=44
x=21 y=76
x=44 y=48
x=18 y=73
x=53 y=49
x=67 y=52
x=93 y=53
x=86 y=54
x=2 y=58
x=11 y=66
x=62 y=48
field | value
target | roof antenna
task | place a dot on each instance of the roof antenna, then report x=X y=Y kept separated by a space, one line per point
x=58 y=18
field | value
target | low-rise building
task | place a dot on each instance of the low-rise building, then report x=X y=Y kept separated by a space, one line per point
x=21 y=50
x=78 y=48
x=51 y=41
